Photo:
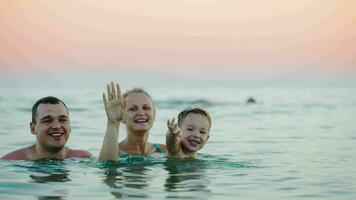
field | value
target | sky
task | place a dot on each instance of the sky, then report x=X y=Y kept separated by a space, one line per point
x=200 y=39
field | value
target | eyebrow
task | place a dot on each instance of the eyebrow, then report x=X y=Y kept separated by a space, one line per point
x=63 y=116
x=49 y=117
x=46 y=117
x=191 y=125
x=135 y=105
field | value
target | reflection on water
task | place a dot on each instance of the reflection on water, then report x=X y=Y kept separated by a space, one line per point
x=128 y=177
x=46 y=171
x=185 y=175
x=132 y=177
x=135 y=177
x=113 y=179
x=50 y=198
x=50 y=178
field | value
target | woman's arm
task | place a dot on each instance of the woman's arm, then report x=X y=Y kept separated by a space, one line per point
x=114 y=111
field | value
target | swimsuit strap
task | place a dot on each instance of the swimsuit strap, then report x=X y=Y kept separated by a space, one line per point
x=158 y=148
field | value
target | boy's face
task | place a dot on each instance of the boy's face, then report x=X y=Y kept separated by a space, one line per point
x=195 y=132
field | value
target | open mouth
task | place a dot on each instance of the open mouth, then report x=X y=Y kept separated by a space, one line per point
x=141 y=120
x=194 y=142
x=56 y=135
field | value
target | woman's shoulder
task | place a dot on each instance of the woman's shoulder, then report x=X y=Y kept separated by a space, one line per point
x=156 y=148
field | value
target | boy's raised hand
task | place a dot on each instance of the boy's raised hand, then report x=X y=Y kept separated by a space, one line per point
x=173 y=128
x=113 y=102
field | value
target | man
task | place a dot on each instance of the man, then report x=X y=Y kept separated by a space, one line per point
x=51 y=125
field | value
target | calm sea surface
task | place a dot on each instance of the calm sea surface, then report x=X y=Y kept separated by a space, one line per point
x=295 y=143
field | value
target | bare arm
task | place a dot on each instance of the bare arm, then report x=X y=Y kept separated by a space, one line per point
x=114 y=112
x=20 y=154
x=110 y=148
x=173 y=141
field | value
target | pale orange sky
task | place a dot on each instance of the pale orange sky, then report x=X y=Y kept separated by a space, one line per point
x=252 y=38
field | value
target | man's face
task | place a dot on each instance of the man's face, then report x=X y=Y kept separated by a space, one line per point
x=52 y=126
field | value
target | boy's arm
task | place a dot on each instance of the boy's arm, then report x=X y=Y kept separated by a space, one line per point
x=173 y=141
x=114 y=112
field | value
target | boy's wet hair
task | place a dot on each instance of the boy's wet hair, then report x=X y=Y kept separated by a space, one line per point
x=196 y=110
x=137 y=90
x=45 y=100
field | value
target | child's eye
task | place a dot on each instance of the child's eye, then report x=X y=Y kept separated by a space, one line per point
x=190 y=129
x=147 y=108
x=132 y=109
x=202 y=132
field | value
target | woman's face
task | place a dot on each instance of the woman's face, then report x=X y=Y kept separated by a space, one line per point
x=139 y=112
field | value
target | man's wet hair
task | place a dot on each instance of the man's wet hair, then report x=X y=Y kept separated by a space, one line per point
x=196 y=110
x=45 y=100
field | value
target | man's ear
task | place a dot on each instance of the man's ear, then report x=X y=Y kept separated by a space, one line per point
x=33 y=128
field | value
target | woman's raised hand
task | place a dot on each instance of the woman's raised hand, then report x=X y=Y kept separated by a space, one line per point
x=113 y=103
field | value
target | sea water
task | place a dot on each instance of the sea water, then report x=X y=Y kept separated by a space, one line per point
x=294 y=143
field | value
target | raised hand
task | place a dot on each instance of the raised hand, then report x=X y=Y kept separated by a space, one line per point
x=173 y=128
x=113 y=102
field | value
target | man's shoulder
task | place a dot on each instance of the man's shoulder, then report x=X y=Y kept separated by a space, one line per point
x=19 y=154
x=78 y=153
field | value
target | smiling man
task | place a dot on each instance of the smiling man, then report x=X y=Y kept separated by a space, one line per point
x=51 y=125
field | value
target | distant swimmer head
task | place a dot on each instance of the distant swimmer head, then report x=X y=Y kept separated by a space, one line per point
x=251 y=100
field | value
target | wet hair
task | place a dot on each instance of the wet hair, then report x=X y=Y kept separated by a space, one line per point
x=250 y=100
x=137 y=90
x=196 y=110
x=45 y=100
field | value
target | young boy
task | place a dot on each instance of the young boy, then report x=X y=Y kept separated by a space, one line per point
x=191 y=133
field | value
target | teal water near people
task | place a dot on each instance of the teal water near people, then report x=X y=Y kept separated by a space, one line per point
x=293 y=143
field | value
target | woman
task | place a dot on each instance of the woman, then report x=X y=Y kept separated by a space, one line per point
x=135 y=109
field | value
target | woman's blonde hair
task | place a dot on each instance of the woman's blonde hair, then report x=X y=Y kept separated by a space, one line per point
x=136 y=90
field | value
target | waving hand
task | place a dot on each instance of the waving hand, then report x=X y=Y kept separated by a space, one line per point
x=113 y=102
